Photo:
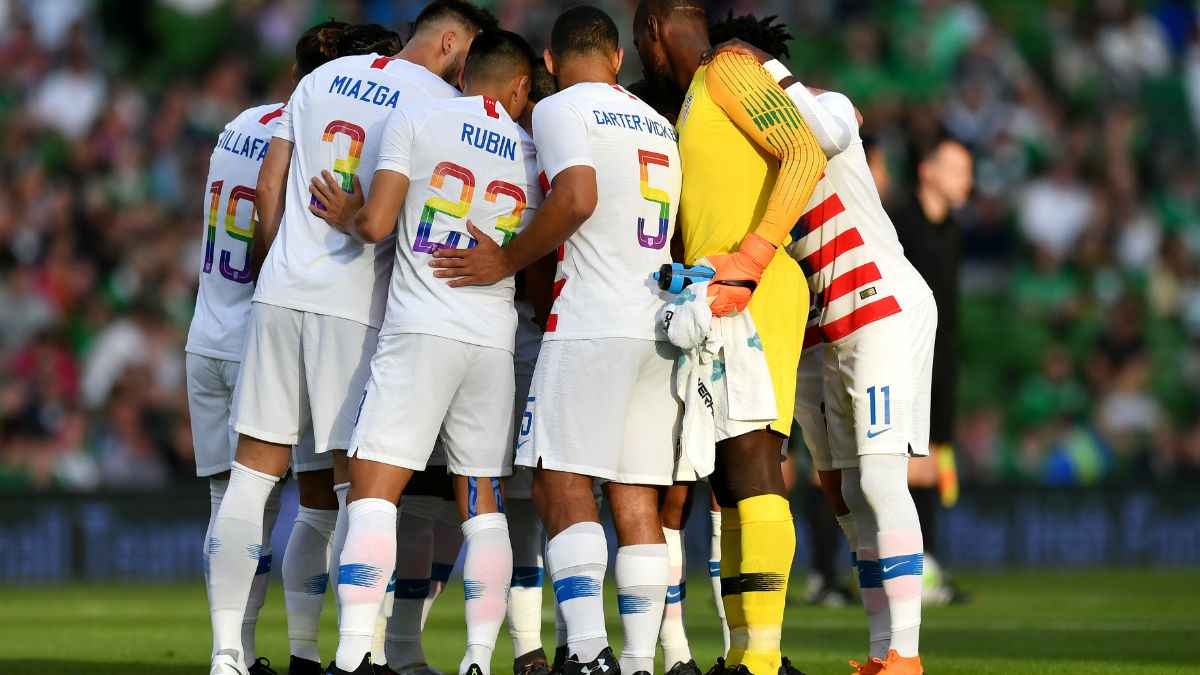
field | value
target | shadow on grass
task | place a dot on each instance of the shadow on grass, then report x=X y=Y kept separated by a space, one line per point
x=79 y=667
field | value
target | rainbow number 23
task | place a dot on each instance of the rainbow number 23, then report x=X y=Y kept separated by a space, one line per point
x=237 y=195
x=645 y=159
x=345 y=166
x=435 y=205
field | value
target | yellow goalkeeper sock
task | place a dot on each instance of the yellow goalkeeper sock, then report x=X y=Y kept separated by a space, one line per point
x=731 y=593
x=768 y=545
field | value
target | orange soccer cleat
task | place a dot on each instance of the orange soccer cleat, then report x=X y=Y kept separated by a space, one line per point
x=871 y=667
x=901 y=665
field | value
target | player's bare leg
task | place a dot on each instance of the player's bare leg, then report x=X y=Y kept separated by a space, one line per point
x=368 y=558
x=674 y=507
x=236 y=543
x=487 y=569
x=758 y=542
x=306 y=562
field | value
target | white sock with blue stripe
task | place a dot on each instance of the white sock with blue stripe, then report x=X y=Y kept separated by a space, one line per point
x=487 y=571
x=525 y=596
x=576 y=559
x=367 y=563
x=262 y=576
x=234 y=548
x=642 y=576
x=884 y=482
x=714 y=573
x=306 y=578
x=673 y=636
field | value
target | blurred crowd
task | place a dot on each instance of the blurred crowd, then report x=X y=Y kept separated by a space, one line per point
x=1080 y=318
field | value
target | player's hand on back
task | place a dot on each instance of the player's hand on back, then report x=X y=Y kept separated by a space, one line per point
x=735 y=46
x=480 y=265
x=339 y=205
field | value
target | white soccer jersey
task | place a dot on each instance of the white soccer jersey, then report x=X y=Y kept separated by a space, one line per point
x=466 y=159
x=604 y=285
x=223 y=299
x=847 y=246
x=336 y=118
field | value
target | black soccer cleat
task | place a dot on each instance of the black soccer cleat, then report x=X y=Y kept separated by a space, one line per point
x=474 y=669
x=681 y=668
x=382 y=669
x=261 y=666
x=604 y=664
x=718 y=668
x=560 y=657
x=786 y=668
x=363 y=668
x=533 y=663
x=299 y=666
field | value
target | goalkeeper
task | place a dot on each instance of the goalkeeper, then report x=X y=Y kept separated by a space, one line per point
x=750 y=164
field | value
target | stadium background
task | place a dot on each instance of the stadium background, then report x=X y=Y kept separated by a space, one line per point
x=1078 y=438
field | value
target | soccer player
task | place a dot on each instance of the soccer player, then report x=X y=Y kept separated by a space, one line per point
x=444 y=367
x=750 y=165
x=320 y=294
x=876 y=319
x=601 y=403
x=218 y=334
x=525 y=531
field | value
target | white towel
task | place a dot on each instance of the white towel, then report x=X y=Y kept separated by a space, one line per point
x=721 y=376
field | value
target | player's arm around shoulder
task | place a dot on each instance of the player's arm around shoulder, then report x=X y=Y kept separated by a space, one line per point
x=270 y=195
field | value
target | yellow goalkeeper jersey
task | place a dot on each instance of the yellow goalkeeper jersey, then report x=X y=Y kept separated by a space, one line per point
x=750 y=164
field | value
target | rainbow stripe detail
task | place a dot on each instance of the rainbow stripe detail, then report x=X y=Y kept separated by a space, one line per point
x=645 y=159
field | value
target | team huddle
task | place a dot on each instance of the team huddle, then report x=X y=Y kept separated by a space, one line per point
x=442 y=298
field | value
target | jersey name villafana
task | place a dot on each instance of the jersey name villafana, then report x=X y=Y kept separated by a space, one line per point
x=466 y=159
x=847 y=246
x=223 y=299
x=335 y=118
x=604 y=286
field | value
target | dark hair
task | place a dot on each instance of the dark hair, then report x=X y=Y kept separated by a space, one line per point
x=369 y=38
x=922 y=147
x=466 y=13
x=541 y=83
x=583 y=29
x=768 y=36
x=666 y=101
x=499 y=52
x=318 y=45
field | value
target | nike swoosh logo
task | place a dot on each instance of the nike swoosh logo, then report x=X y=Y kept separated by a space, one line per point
x=522 y=443
x=415 y=589
x=873 y=434
x=889 y=568
x=672 y=595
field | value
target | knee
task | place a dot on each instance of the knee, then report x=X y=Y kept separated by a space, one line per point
x=676 y=505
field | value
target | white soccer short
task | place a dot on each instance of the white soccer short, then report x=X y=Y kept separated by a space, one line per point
x=875 y=391
x=528 y=344
x=425 y=388
x=210 y=385
x=302 y=371
x=603 y=408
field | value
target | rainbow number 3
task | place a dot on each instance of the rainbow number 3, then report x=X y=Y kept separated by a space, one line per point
x=345 y=166
x=237 y=195
x=645 y=159
x=506 y=224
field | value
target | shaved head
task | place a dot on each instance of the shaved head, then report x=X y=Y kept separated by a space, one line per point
x=670 y=9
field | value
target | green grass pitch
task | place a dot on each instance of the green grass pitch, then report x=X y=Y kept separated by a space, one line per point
x=1094 y=622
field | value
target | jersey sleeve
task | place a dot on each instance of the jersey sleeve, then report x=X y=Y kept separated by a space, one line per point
x=754 y=102
x=395 y=146
x=561 y=136
x=827 y=116
x=284 y=127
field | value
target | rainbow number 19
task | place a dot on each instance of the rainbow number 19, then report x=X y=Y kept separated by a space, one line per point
x=435 y=205
x=238 y=194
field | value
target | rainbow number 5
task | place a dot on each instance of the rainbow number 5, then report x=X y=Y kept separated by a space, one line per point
x=345 y=166
x=506 y=224
x=645 y=159
x=237 y=195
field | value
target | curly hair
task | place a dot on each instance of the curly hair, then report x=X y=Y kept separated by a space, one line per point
x=765 y=34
